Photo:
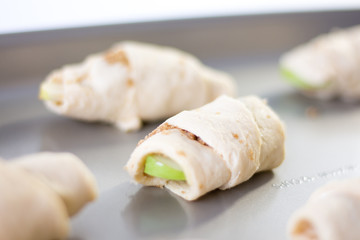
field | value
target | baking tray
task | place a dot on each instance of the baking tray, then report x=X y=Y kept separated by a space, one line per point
x=323 y=138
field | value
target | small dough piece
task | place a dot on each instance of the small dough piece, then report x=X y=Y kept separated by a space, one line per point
x=219 y=145
x=133 y=82
x=326 y=67
x=39 y=193
x=29 y=209
x=331 y=213
x=74 y=183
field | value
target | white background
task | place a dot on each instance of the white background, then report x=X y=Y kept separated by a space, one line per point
x=30 y=15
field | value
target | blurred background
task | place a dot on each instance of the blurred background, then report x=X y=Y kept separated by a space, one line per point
x=23 y=15
x=38 y=36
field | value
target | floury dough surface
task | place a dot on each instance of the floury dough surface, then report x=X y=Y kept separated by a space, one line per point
x=219 y=145
x=134 y=82
x=328 y=65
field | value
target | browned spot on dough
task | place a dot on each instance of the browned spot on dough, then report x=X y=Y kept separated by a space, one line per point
x=81 y=78
x=165 y=132
x=130 y=82
x=241 y=141
x=193 y=137
x=217 y=113
x=305 y=228
x=250 y=153
x=117 y=56
x=268 y=116
x=235 y=135
x=183 y=192
x=181 y=153
x=57 y=78
x=163 y=128
x=140 y=142
x=201 y=186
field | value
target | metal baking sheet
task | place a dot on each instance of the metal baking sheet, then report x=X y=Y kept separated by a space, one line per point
x=323 y=138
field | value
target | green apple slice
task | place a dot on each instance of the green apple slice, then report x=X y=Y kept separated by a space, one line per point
x=298 y=82
x=51 y=92
x=163 y=167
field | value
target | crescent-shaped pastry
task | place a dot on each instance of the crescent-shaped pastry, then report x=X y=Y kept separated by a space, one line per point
x=219 y=145
x=133 y=82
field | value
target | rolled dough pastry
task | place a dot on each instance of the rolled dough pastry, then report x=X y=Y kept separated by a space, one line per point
x=133 y=82
x=218 y=145
x=40 y=192
x=331 y=213
x=326 y=67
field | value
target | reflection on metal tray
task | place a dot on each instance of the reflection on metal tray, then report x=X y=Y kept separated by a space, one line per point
x=319 y=148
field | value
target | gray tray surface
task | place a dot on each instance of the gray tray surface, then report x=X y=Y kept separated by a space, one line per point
x=319 y=149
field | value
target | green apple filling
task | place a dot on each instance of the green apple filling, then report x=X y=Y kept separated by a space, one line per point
x=51 y=92
x=295 y=80
x=163 y=167
x=301 y=83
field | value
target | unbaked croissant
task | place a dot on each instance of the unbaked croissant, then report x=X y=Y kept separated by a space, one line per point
x=40 y=192
x=326 y=67
x=133 y=82
x=219 y=145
